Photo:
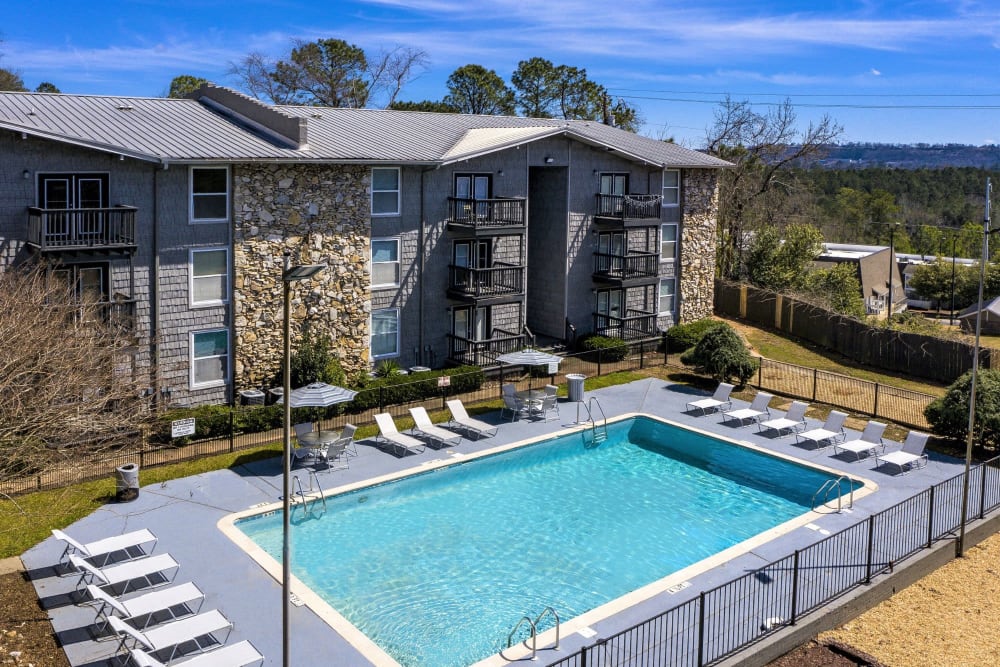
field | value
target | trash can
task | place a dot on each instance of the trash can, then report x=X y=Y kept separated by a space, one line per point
x=574 y=386
x=251 y=397
x=127 y=482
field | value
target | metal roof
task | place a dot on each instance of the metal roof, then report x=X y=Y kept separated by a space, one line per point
x=186 y=130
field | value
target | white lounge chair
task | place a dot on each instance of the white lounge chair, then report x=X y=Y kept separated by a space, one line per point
x=425 y=426
x=169 y=638
x=390 y=434
x=547 y=410
x=151 y=570
x=460 y=417
x=719 y=400
x=794 y=419
x=868 y=443
x=143 y=610
x=910 y=456
x=239 y=654
x=101 y=550
x=757 y=410
x=829 y=433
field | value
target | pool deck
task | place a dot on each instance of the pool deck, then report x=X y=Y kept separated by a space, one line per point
x=184 y=515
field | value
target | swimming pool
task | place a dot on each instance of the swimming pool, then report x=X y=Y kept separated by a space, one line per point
x=437 y=568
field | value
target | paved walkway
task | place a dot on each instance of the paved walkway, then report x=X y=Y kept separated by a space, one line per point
x=184 y=514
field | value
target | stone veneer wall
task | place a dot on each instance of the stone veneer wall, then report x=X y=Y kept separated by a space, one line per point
x=322 y=213
x=699 y=235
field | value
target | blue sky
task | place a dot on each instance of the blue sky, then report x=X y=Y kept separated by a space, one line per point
x=899 y=71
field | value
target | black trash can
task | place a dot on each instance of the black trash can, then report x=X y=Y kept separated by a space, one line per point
x=127 y=482
x=574 y=386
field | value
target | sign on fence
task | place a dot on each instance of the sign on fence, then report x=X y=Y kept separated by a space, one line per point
x=182 y=427
x=444 y=381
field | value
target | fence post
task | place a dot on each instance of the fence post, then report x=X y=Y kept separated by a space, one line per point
x=600 y=356
x=760 y=372
x=583 y=657
x=815 y=382
x=795 y=587
x=871 y=549
x=232 y=430
x=982 y=491
x=701 y=629
x=665 y=355
x=875 y=413
x=642 y=355
x=381 y=401
x=930 y=521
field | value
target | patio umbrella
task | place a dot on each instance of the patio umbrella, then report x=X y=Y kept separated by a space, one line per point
x=528 y=357
x=319 y=395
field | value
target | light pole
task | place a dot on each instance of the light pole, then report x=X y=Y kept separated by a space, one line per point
x=289 y=275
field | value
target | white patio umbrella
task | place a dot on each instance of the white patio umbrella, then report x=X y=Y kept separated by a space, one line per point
x=528 y=357
x=318 y=395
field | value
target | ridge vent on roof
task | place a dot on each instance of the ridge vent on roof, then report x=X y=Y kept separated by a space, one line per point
x=253 y=113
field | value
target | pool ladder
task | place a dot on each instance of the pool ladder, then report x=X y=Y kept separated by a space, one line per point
x=299 y=496
x=597 y=437
x=533 y=627
x=833 y=485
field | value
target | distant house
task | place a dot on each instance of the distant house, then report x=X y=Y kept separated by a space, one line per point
x=991 y=317
x=909 y=263
x=877 y=271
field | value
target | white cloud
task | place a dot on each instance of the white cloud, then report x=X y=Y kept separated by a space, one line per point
x=876 y=72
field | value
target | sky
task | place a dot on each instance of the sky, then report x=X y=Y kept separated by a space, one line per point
x=887 y=72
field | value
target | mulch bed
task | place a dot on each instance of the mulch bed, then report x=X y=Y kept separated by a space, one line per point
x=26 y=636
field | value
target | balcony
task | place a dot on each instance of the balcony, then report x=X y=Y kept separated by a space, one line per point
x=499 y=282
x=636 y=325
x=504 y=215
x=628 y=210
x=483 y=352
x=53 y=229
x=629 y=269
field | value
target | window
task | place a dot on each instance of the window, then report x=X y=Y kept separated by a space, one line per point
x=471 y=323
x=671 y=187
x=667 y=287
x=385 y=262
x=78 y=192
x=209 y=358
x=385 y=333
x=668 y=242
x=209 y=194
x=209 y=277
x=609 y=303
x=614 y=184
x=385 y=191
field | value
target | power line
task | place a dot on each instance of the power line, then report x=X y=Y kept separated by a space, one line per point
x=714 y=92
x=832 y=105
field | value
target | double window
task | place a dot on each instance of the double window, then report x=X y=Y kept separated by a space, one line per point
x=77 y=192
x=209 y=194
x=671 y=187
x=209 y=277
x=385 y=191
x=209 y=358
x=385 y=333
x=668 y=287
x=471 y=323
x=668 y=242
x=385 y=262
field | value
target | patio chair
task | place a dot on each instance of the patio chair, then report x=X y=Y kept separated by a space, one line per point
x=129 y=544
x=910 y=456
x=302 y=429
x=239 y=654
x=515 y=406
x=718 y=401
x=508 y=388
x=390 y=434
x=332 y=453
x=831 y=431
x=547 y=410
x=347 y=435
x=460 y=417
x=758 y=409
x=793 y=420
x=551 y=390
x=424 y=426
x=151 y=570
x=168 y=638
x=143 y=610
x=868 y=443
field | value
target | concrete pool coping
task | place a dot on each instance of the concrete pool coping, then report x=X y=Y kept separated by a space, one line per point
x=185 y=513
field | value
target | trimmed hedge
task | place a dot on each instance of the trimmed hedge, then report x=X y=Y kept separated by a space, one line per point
x=603 y=347
x=399 y=389
x=682 y=337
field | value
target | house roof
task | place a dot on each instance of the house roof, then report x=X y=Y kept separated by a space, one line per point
x=991 y=307
x=189 y=130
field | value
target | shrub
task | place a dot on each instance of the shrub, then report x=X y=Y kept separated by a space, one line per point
x=397 y=389
x=210 y=421
x=603 y=347
x=722 y=354
x=254 y=419
x=314 y=361
x=681 y=337
x=949 y=414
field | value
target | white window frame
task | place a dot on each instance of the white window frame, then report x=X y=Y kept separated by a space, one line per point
x=397 y=262
x=191 y=196
x=676 y=189
x=371 y=335
x=399 y=184
x=228 y=356
x=673 y=256
x=192 y=277
x=673 y=296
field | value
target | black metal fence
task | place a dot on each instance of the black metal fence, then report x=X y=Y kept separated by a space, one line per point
x=724 y=620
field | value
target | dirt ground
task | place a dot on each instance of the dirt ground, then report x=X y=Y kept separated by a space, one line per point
x=25 y=632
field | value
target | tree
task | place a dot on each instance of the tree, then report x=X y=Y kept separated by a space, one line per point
x=46 y=87
x=65 y=374
x=425 y=105
x=11 y=80
x=534 y=81
x=182 y=85
x=779 y=264
x=838 y=289
x=949 y=414
x=722 y=354
x=473 y=89
x=762 y=147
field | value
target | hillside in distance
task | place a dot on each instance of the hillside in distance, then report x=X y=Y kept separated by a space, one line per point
x=908 y=156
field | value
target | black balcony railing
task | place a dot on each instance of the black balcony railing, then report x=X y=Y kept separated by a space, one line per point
x=635 y=325
x=486 y=213
x=631 y=266
x=629 y=207
x=67 y=229
x=483 y=352
x=499 y=280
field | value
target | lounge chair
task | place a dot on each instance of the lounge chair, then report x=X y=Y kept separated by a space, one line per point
x=239 y=654
x=151 y=570
x=143 y=610
x=910 y=456
x=758 y=409
x=170 y=637
x=390 y=434
x=460 y=417
x=794 y=419
x=548 y=409
x=869 y=442
x=829 y=433
x=514 y=405
x=719 y=400
x=128 y=543
x=424 y=426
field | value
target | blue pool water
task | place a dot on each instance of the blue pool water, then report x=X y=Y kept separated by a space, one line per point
x=438 y=568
